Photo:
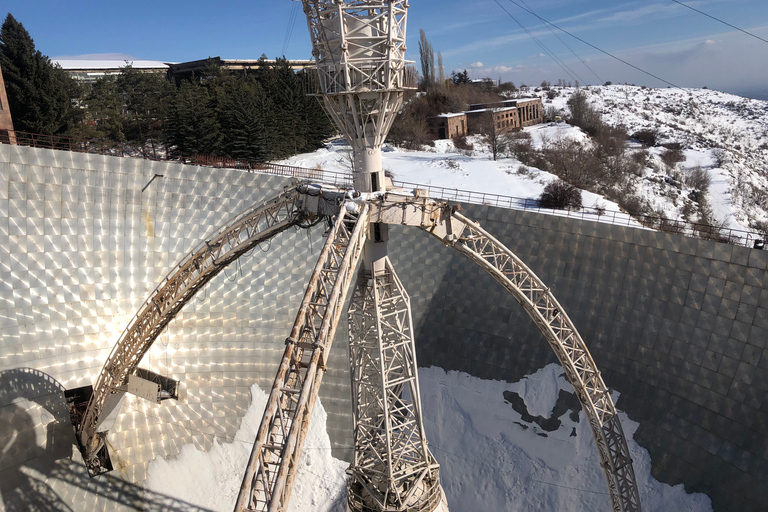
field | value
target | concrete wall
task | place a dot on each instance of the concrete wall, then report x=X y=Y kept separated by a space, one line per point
x=531 y=111
x=677 y=325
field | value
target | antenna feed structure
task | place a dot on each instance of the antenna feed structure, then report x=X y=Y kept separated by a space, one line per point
x=359 y=47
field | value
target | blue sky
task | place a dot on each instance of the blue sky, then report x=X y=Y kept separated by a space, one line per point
x=664 y=38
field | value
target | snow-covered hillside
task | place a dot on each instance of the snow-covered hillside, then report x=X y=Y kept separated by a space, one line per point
x=726 y=136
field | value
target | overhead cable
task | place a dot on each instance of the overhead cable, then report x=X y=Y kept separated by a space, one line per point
x=596 y=48
x=599 y=80
x=291 y=25
x=721 y=21
x=549 y=53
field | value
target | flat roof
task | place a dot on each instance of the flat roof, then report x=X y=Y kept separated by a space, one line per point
x=235 y=64
x=498 y=109
x=107 y=64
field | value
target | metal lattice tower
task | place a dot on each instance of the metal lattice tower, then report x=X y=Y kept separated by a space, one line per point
x=359 y=46
x=392 y=467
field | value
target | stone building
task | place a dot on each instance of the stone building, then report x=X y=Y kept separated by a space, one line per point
x=183 y=70
x=504 y=119
x=449 y=126
x=87 y=71
x=507 y=115
x=530 y=111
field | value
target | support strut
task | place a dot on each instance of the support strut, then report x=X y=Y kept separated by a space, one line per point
x=392 y=469
x=236 y=237
x=271 y=470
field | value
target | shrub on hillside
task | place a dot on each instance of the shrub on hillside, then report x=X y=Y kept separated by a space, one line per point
x=641 y=158
x=699 y=179
x=720 y=157
x=461 y=142
x=573 y=162
x=672 y=156
x=560 y=195
x=583 y=114
x=649 y=137
x=521 y=147
x=551 y=113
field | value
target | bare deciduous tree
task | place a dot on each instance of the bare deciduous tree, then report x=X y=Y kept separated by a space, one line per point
x=493 y=134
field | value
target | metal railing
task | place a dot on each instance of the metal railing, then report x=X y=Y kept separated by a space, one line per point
x=344 y=179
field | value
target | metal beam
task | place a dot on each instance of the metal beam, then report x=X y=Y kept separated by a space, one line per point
x=392 y=468
x=271 y=470
x=251 y=227
x=467 y=237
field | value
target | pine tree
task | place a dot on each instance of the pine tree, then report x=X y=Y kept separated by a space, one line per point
x=318 y=126
x=145 y=97
x=246 y=114
x=193 y=126
x=461 y=77
x=262 y=116
x=104 y=111
x=39 y=93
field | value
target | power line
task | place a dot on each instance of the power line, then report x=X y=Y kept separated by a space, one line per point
x=596 y=48
x=549 y=53
x=721 y=21
x=291 y=25
x=599 y=80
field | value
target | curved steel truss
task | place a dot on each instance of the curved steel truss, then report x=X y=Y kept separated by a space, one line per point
x=257 y=224
x=470 y=239
x=269 y=477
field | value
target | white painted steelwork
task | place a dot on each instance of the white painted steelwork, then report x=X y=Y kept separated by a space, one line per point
x=392 y=467
x=235 y=238
x=270 y=476
x=359 y=47
x=469 y=238
x=271 y=470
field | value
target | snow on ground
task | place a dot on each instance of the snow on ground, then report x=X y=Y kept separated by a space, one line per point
x=212 y=479
x=447 y=167
x=491 y=458
x=702 y=121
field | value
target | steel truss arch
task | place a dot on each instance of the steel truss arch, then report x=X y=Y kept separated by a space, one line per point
x=240 y=234
x=470 y=239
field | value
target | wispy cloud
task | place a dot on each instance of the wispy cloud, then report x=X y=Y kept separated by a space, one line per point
x=492 y=42
x=448 y=29
x=628 y=13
